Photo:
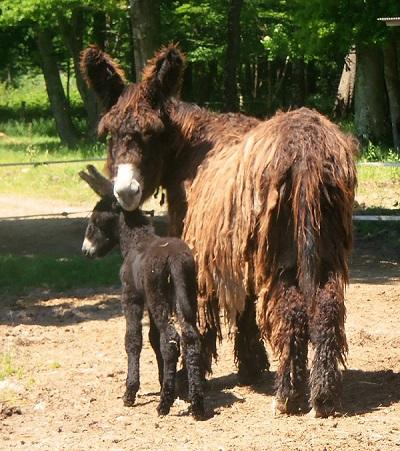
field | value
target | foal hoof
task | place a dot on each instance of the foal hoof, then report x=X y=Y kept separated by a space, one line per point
x=197 y=409
x=182 y=385
x=163 y=409
x=129 y=399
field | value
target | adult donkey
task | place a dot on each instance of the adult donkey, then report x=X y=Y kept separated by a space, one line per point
x=265 y=205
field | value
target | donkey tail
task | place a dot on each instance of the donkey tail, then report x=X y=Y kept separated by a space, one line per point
x=323 y=179
x=306 y=208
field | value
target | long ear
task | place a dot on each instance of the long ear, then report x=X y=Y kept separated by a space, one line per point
x=103 y=75
x=166 y=68
x=99 y=184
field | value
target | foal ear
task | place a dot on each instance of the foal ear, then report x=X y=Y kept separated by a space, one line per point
x=103 y=75
x=166 y=68
x=99 y=184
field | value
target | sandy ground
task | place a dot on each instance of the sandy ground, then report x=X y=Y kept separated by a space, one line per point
x=68 y=356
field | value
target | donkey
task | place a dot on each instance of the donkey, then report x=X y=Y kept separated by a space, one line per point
x=266 y=207
x=158 y=272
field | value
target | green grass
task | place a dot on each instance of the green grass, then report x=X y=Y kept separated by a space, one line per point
x=28 y=99
x=8 y=367
x=56 y=181
x=18 y=274
x=378 y=174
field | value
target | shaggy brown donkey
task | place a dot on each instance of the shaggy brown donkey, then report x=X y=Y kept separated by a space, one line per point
x=265 y=205
x=158 y=272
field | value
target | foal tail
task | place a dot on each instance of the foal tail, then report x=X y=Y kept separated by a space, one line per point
x=183 y=277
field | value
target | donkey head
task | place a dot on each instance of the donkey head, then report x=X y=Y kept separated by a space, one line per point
x=135 y=119
x=101 y=233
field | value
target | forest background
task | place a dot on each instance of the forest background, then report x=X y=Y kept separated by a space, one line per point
x=256 y=56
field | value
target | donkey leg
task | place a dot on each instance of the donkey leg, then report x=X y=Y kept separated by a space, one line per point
x=250 y=354
x=154 y=337
x=133 y=309
x=329 y=341
x=288 y=335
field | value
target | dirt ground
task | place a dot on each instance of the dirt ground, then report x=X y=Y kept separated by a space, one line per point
x=69 y=362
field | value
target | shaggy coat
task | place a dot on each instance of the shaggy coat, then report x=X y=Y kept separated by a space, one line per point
x=266 y=207
x=159 y=273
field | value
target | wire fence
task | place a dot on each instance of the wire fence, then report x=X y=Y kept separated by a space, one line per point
x=87 y=160
x=151 y=213
x=48 y=163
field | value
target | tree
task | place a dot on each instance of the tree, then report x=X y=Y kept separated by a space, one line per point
x=338 y=23
x=60 y=28
x=145 y=17
x=232 y=55
x=345 y=93
x=392 y=78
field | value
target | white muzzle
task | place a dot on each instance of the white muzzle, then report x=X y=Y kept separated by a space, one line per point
x=127 y=189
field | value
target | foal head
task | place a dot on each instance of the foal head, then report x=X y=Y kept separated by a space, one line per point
x=101 y=233
x=135 y=119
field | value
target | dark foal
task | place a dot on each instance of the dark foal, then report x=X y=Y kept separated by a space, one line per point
x=158 y=272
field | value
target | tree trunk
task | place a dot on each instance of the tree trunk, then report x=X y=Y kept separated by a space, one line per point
x=370 y=101
x=232 y=55
x=72 y=34
x=392 y=80
x=298 y=83
x=345 y=92
x=99 y=29
x=55 y=90
x=145 y=18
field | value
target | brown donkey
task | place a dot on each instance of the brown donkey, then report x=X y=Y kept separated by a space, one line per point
x=265 y=205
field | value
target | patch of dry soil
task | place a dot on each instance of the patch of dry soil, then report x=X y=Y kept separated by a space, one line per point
x=68 y=357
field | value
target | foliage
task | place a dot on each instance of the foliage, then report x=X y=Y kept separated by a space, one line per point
x=372 y=152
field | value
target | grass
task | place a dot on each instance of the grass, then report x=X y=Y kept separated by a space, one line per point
x=59 y=182
x=8 y=367
x=19 y=274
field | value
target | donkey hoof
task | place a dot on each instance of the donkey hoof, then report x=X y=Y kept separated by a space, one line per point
x=322 y=411
x=278 y=406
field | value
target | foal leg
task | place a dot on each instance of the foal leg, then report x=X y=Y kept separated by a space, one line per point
x=133 y=310
x=250 y=354
x=154 y=337
x=169 y=340
x=186 y=309
x=287 y=331
x=157 y=297
x=329 y=341
x=191 y=346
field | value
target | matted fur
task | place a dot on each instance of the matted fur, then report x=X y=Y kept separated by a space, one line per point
x=261 y=193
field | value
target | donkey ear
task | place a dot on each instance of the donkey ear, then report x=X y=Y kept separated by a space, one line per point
x=166 y=68
x=99 y=184
x=103 y=75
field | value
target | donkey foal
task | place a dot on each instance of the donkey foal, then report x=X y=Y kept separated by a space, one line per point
x=158 y=272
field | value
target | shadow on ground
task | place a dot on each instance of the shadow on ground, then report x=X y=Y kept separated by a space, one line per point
x=363 y=391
